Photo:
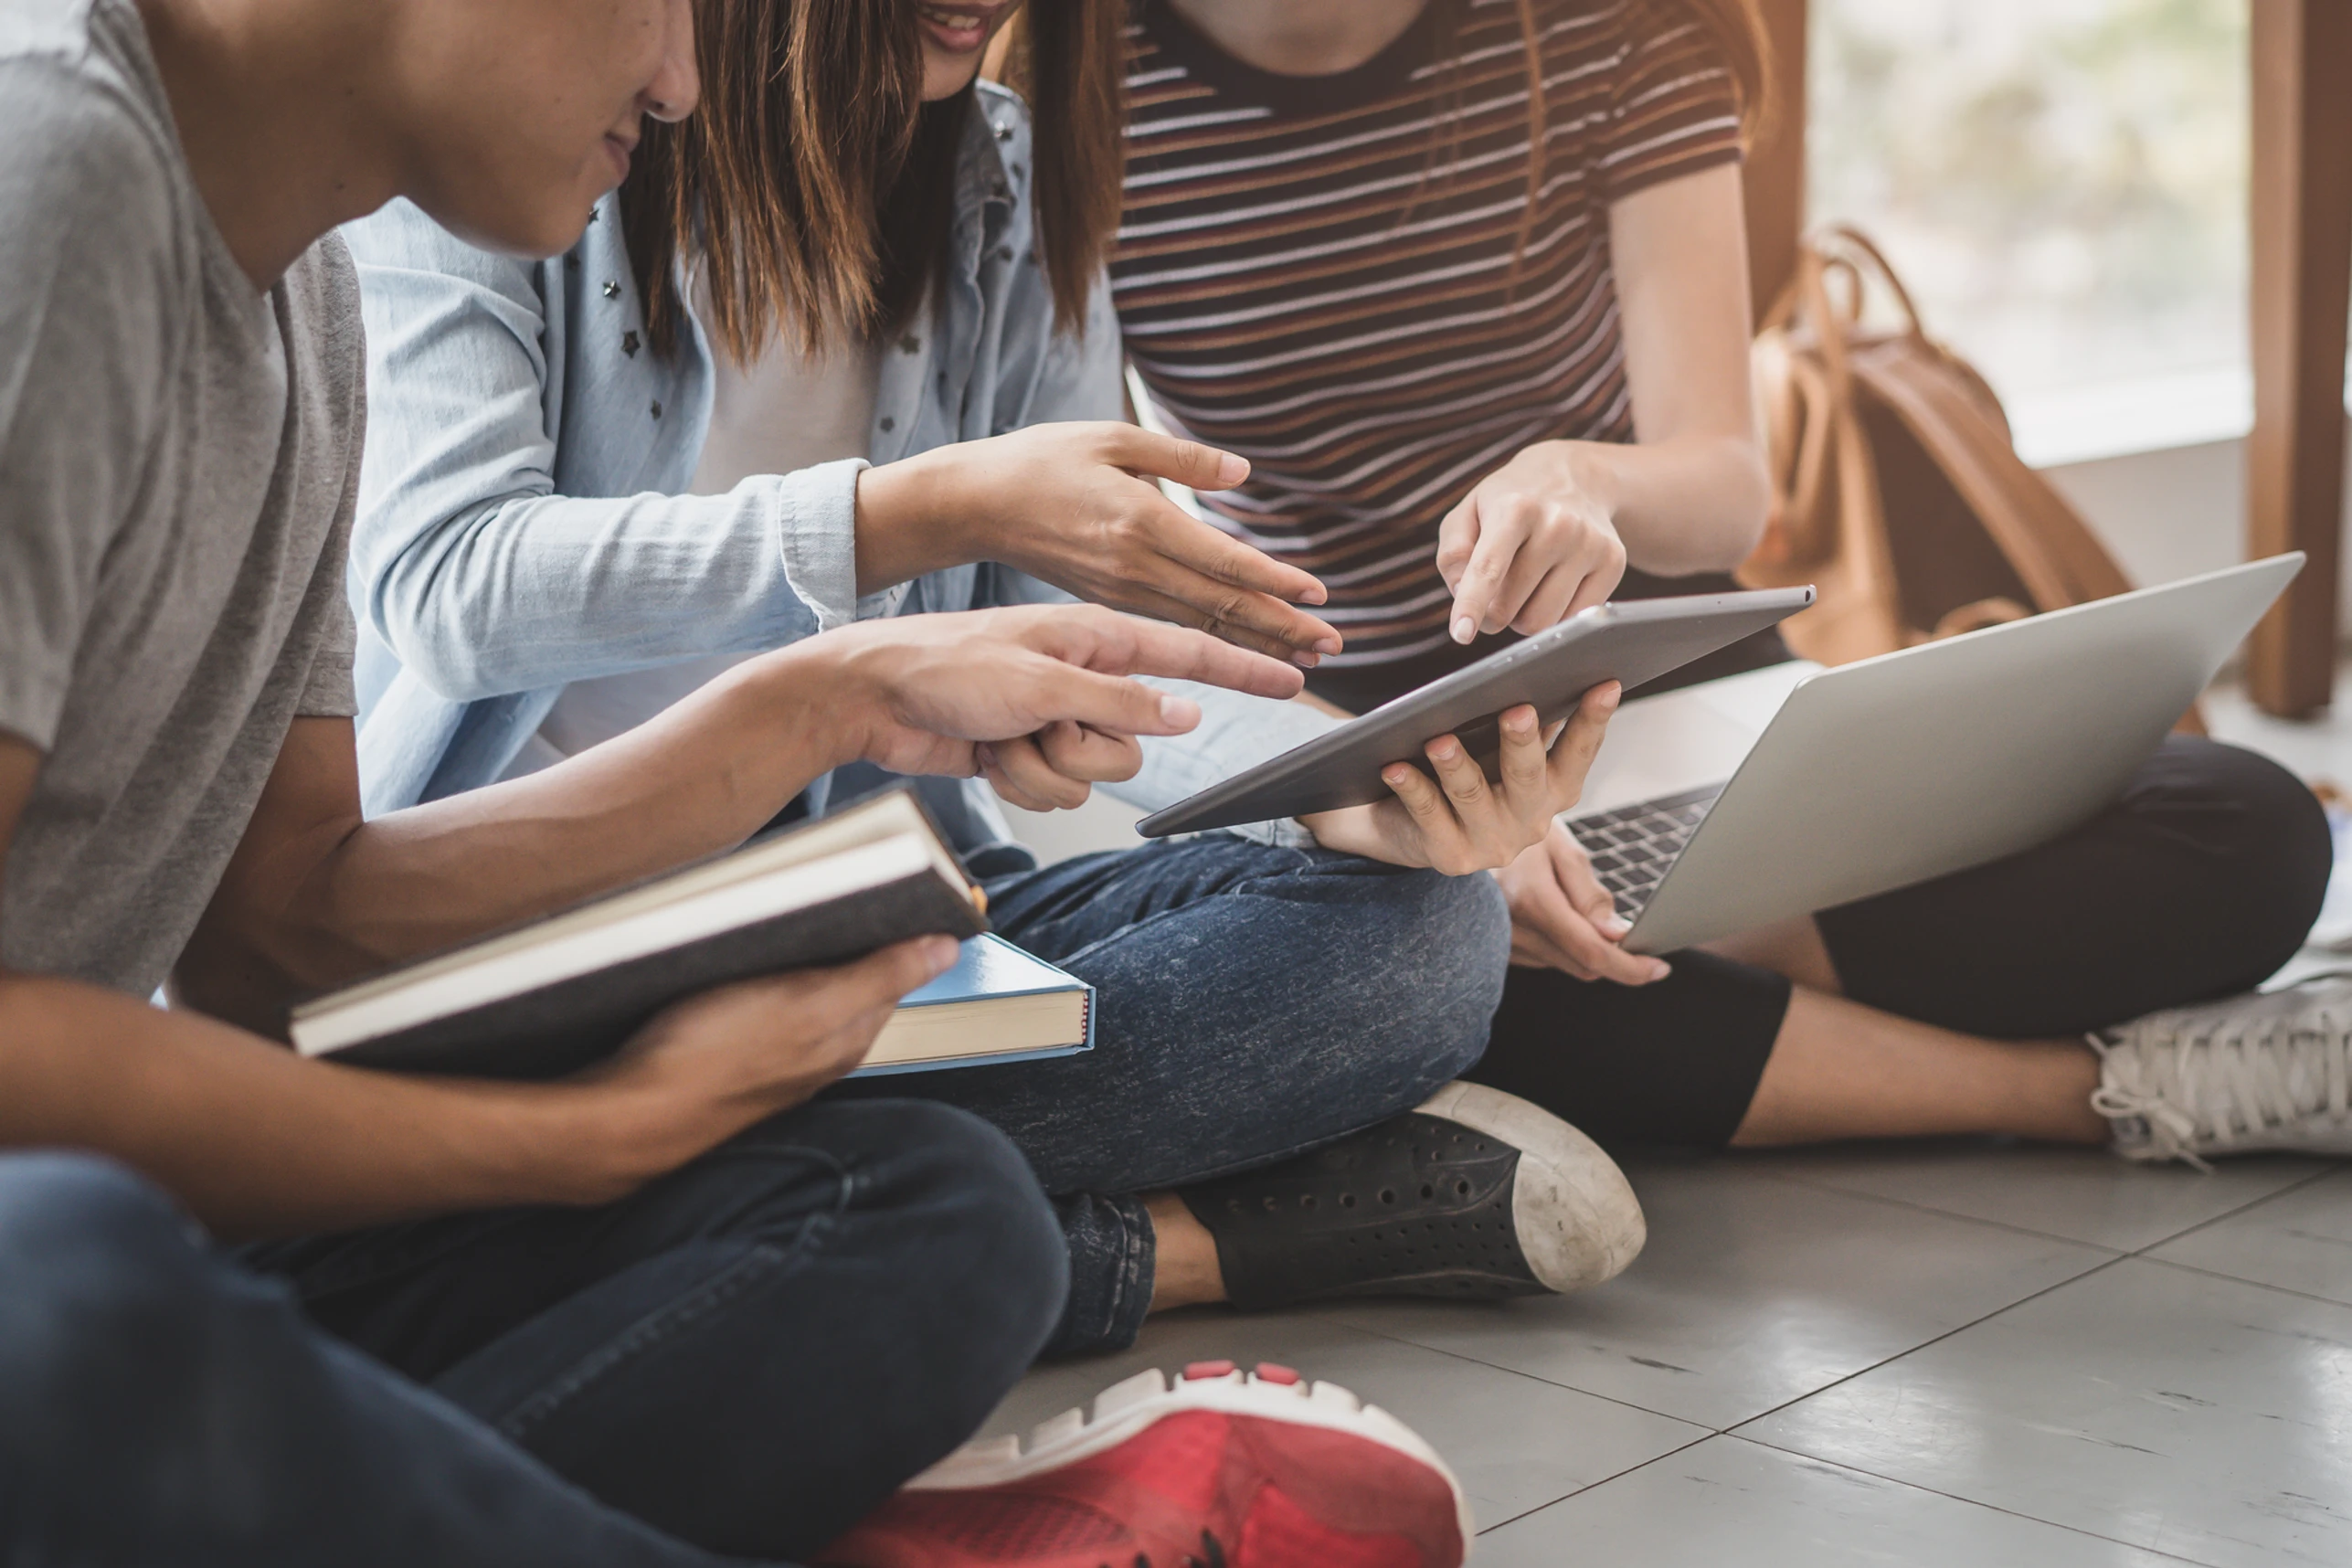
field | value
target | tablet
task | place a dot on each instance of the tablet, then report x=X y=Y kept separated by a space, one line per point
x=1632 y=640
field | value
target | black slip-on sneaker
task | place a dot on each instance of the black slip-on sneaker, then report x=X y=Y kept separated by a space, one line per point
x=1476 y=1195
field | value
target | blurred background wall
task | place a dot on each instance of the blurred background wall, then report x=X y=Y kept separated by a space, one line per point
x=2064 y=185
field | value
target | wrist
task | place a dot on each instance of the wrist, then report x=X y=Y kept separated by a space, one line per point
x=585 y=1142
x=1359 y=831
x=814 y=694
x=906 y=524
x=1593 y=472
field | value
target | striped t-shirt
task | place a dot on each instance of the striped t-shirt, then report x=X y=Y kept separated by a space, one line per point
x=1318 y=272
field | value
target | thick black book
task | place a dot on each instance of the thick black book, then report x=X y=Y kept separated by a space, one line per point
x=556 y=995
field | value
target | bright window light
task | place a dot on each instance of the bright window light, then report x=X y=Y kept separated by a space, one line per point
x=2062 y=182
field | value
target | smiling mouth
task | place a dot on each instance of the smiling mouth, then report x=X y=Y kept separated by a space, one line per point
x=956 y=29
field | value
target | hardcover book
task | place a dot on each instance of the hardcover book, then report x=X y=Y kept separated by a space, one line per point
x=555 y=995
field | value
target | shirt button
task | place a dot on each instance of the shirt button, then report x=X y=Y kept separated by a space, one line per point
x=611 y=288
x=1004 y=252
x=888 y=423
x=910 y=344
x=657 y=408
x=1016 y=169
x=629 y=344
x=1004 y=133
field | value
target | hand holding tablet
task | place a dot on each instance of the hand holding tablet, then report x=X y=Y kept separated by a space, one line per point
x=1458 y=822
x=1627 y=641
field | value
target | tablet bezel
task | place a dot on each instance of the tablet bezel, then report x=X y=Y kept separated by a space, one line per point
x=1632 y=640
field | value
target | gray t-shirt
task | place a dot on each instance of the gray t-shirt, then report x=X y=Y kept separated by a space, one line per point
x=178 y=460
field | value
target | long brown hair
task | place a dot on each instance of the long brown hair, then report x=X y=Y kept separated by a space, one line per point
x=815 y=189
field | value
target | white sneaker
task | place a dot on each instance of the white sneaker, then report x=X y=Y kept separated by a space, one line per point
x=2267 y=1071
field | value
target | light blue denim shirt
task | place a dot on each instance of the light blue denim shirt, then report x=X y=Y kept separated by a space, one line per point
x=521 y=521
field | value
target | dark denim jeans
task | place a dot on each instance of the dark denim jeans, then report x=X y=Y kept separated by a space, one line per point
x=748 y=1355
x=751 y=1352
x=1253 y=1002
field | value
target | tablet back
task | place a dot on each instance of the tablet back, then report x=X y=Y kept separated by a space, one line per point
x=1632 y=640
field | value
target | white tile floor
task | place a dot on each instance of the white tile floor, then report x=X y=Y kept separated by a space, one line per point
x=1955 y=1354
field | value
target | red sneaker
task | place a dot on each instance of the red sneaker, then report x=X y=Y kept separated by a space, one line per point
x=1221 y=1470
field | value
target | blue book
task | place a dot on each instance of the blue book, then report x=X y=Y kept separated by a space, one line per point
x=997 y=1004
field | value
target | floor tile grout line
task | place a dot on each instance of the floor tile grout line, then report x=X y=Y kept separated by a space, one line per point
x=1919 y=1208
x=2288 y=1190
x=1705 y=1437
x=1518 y=1372
x=2100 y=1267
x=1960 y=1498
x=1817 y=1185
x=2249 y=1284
x=2109 y=1261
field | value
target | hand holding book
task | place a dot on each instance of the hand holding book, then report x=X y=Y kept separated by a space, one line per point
x=707 y=1067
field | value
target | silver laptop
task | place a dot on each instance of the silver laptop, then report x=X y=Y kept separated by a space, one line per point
x=1721 y=807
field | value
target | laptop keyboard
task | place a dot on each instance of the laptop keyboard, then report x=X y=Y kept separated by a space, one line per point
x=1633 y=846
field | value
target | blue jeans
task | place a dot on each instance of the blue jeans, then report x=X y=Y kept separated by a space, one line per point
x=1253 y=1002
x=748 y=1355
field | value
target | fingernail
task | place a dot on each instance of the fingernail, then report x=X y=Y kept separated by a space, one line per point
x=1519 y=725
x=1615 y=925
x=939 y=954
x=1327 y=645
x=1658 y=971
x=1306 y=660
x=1178 y=712
x=1392 y=777
x=1463 y=629
x=1231 y=470
x=1445 y=750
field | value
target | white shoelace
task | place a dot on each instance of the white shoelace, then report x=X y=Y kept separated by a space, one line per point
x=2214 y=1078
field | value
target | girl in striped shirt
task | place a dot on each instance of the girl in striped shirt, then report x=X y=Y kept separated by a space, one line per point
x=1466 y=282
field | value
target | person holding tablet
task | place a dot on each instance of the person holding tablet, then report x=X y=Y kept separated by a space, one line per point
x=1465 y=280
x=785 y=386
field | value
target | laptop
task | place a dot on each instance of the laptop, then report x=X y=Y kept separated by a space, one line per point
x=1724 y=806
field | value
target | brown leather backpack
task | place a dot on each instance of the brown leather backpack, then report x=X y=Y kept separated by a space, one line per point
x=1897 y=489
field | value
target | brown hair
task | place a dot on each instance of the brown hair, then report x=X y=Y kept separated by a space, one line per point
x=815 y=188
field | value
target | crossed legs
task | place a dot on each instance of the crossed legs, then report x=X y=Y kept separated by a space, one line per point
x=1955 y=1006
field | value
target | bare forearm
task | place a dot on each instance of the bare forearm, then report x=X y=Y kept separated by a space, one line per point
x=256 y=1141
x=683 y=786
x=1696 y=504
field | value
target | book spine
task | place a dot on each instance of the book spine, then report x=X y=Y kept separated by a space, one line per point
x=563 y=1027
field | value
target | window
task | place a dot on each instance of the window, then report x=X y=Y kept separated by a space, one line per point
x=2062 y=182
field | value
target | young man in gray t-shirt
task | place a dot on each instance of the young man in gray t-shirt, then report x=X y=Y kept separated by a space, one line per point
x=180 y=429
